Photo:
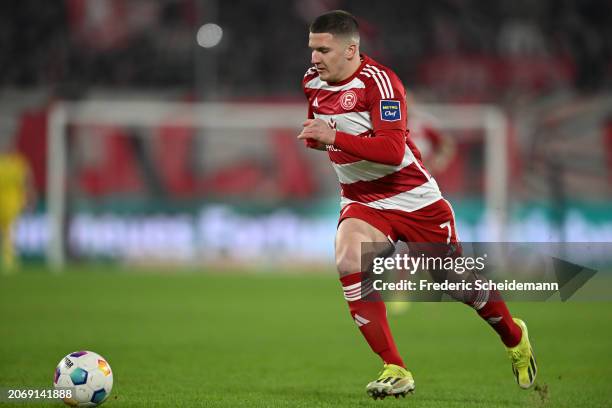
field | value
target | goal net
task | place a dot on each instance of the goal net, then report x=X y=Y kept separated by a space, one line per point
x=215 y=182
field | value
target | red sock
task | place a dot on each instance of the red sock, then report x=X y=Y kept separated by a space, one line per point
x=491 y=307
x=371 y=317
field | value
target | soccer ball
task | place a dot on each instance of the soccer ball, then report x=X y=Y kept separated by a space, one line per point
x=88 y=375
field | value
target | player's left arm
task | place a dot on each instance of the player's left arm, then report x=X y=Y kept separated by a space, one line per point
x=387 y=102
x=388 y=115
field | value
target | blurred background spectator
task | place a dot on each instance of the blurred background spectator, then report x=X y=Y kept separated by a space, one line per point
x=78 y=44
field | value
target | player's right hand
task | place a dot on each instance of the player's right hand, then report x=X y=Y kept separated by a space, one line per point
x=317 y=134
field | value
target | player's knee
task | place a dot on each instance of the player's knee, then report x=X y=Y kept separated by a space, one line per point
x=347 y=262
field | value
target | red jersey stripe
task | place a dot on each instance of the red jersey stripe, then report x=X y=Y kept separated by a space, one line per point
x=392 y=184
x=340 y=157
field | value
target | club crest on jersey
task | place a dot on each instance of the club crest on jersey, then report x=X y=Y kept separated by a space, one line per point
x=348 y=100
x=390 y=110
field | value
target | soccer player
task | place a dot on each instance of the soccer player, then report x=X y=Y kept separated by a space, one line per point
x=14 y=182
x=357 y=112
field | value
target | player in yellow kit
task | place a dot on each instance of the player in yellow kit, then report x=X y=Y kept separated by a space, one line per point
x=14 y=189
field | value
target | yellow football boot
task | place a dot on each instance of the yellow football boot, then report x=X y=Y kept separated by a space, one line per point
x=393 y=381
x=524 y=364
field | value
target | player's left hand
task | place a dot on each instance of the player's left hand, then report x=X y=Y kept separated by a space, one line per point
x=318 y=130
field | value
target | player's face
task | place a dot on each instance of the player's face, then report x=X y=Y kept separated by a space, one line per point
x=329 y=56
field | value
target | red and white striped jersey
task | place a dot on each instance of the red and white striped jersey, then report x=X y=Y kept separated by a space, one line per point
x=371 y=104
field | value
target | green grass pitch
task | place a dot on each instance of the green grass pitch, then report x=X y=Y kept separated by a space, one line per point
x=273 y=340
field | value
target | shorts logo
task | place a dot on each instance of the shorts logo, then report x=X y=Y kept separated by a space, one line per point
x=390 y=110
x=348 y=100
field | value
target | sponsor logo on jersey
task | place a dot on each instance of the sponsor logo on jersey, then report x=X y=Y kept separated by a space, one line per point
x=390 y=110
x=348 y=100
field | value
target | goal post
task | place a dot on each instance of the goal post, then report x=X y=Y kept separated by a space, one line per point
x=252 y=116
